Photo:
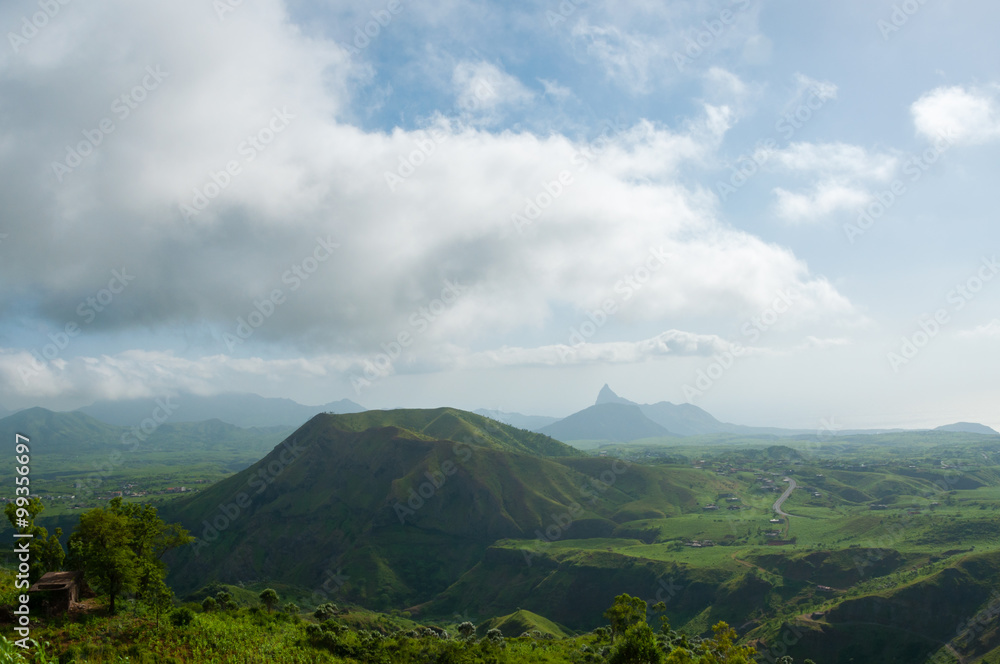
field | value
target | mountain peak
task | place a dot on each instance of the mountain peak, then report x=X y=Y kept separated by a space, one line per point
x=607 y=395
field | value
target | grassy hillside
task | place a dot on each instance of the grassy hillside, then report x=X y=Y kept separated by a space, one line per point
x=455 y=425
x=522 y=622
x=338 y=495
x=949 y=614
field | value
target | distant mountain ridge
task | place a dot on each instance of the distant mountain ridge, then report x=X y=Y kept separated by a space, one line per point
x=969 y=427
x=242 y=410
x=619 y=419
x=606 y=421
x=529 y=422
x=81 y=443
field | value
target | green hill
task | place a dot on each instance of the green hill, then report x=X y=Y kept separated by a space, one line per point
x=950 y=612
x=520 y=622
x=457 y=425
x=61 y=433
x=339 y=495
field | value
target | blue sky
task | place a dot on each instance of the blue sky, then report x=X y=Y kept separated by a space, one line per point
x=505 y=205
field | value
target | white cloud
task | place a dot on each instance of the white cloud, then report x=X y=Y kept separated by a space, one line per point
x=824 y=199
x=807 y=88
x=553 y=89
x=481 y=89
x=837 y=160
x=967 y=115
x=671 y=342
x=986 y=331
x=840 y=173
x=449 y=217
x=627 y=58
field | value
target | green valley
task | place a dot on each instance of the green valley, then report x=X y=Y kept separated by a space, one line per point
x=439 y=517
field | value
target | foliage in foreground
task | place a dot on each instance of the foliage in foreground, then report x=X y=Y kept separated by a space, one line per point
x=254 y=635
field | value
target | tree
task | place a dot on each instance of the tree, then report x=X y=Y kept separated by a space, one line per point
x=466 y=629
x=159 y=597
x=326 y=611
x=209 y=604
x=119 y=548
x=625 y=612
x=47 y=554
x=270 y=598
x=637 y=646
x=723 y=648
x=224 y=600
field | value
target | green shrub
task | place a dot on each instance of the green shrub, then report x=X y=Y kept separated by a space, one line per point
x=181 y=617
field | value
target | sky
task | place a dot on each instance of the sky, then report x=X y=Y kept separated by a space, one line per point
x=781 y=212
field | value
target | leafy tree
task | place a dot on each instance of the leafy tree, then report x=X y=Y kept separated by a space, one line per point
x=636 y=646
x=325 y=611
x=291 y=608
x=47 y=554
x=119 y=548
x=225 y=600
x=625 y=612
x=466 y=630
x=209 y=604
x=269 y=597
x=723 y=647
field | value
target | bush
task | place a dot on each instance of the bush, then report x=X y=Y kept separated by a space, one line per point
x=181 y=617
x=636 y=646
x=326 y=611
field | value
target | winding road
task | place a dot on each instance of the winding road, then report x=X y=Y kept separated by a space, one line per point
x=784 y=497
x=777 y=504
